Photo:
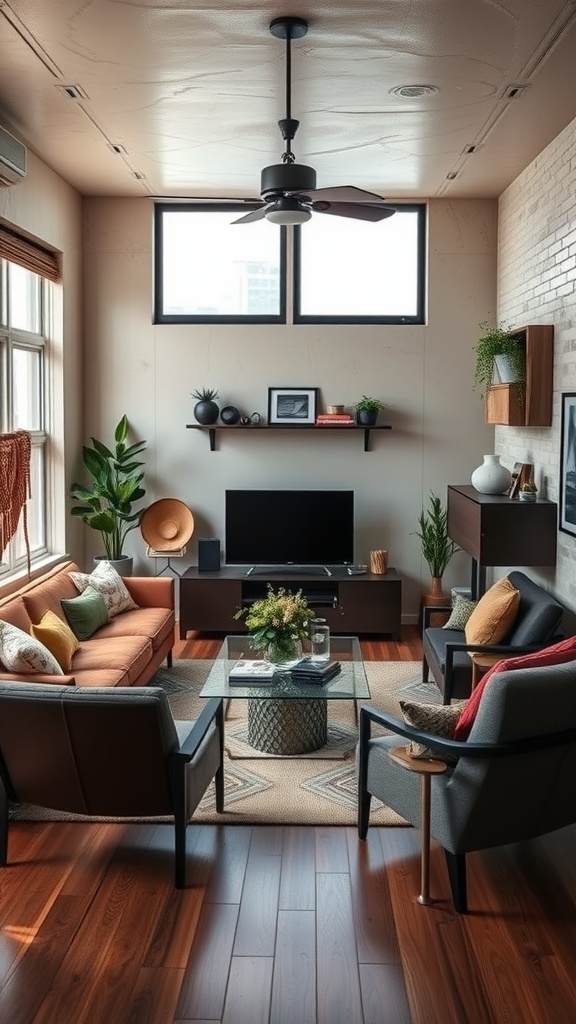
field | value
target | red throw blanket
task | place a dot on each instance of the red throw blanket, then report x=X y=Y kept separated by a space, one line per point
x=558 y=654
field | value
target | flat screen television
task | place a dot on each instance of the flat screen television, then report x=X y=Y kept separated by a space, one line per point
x=283 y=528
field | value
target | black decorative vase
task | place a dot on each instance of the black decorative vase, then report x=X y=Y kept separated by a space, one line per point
x=230 y=415
x=206 y=412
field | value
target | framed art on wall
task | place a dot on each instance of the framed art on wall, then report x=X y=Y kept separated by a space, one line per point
x=568 y=465
x=292 y=406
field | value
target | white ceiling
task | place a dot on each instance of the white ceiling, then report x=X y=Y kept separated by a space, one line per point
x=191 y=92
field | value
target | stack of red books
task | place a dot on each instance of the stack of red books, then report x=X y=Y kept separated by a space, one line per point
x=331 y=419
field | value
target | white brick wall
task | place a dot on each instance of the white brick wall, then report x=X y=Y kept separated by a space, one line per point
x=537 y=285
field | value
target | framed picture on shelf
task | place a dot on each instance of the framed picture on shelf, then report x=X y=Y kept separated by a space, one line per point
x=292 y=406
x=568 y=465
x=521 y=474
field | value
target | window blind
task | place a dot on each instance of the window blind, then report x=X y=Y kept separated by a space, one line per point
x=29 y=255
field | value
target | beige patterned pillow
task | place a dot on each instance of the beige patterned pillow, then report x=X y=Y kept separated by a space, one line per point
x=438 y=718
x=110 y=584
x=20 y=652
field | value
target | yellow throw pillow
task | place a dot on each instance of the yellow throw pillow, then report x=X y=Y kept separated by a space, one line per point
x=57 y=636
x=494 y=615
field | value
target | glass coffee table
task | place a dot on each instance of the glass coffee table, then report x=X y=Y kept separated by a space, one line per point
x=287 y=717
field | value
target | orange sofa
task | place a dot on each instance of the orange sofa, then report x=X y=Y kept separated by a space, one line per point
x=125 y=652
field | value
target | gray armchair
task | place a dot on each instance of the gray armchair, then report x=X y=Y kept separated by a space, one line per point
x=446 y=654
x=514 y=779
x=112 y=752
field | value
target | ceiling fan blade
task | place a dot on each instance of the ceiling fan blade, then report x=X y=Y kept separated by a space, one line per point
x=355 y=210
x=345 y=194
x=252 y=216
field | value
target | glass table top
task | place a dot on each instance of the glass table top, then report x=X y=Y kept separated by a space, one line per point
x=349 y=684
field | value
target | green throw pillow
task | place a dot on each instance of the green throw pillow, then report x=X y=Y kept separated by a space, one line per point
x=461 y=611
x=85 y=613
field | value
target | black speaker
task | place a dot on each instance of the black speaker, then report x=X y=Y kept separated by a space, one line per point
x=208 y=554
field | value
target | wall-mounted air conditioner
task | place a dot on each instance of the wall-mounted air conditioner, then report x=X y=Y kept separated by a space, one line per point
x=12 y=159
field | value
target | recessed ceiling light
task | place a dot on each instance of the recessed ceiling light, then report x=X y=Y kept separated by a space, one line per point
x=410 y=92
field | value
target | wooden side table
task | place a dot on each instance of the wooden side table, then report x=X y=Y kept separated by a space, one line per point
x=425 y=769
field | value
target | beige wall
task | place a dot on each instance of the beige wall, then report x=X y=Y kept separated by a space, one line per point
x=422 y=374
x=537 y=284
x=48 y=210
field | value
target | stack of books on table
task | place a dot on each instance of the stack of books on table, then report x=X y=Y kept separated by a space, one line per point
x=252 y=673
x=309 y=671
x=332 y=419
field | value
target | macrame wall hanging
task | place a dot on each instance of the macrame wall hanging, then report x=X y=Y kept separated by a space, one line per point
x=15 y=450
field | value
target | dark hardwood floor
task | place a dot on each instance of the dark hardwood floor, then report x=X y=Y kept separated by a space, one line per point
x=287 y=925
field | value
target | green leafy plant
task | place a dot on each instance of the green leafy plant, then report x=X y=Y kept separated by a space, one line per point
x=106 y=506
x=437 y=548
x=496 y=341
x=367 y=404
x=205 y=394
x=276 y=621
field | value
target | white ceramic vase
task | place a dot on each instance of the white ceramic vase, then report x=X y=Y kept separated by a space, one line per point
x=491 y=477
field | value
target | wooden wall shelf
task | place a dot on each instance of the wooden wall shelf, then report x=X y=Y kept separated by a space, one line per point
x=221 y=428
x=530 y=405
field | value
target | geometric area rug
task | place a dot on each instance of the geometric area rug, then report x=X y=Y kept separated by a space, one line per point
x=292 y=790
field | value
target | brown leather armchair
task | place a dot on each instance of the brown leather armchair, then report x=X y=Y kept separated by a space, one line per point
x=107 y=752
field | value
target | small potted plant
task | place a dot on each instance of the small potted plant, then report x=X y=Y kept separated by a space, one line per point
x=367 y=410
x=206 y=411
x=106 y=506
x=498 y=346
x=278 y=623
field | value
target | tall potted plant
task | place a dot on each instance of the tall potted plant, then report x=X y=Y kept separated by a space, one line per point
x=437 y=548
x=107 y=505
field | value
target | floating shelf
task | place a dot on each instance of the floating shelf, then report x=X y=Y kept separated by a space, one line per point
x=254 y=428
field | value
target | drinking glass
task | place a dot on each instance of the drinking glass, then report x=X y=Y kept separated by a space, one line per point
x=319 y=640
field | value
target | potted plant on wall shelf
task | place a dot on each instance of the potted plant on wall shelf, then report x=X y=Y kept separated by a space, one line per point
x=107 y=505
x=437 y=548
x=499 y=347
x=367 y=410
x=206 y=411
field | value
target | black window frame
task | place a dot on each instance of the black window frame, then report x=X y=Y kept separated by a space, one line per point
x=190 y=318
x=418 y=318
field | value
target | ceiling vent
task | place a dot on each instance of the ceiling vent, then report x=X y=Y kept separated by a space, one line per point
x=12 y=159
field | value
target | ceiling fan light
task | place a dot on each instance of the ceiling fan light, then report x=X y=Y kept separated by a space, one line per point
x=287 y=210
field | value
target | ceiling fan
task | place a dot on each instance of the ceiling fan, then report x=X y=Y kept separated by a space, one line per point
x=288 y=190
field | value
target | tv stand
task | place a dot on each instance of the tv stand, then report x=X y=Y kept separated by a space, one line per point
x=352 y=605
x=292 y=570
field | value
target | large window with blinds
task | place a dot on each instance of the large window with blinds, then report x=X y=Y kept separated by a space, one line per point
x=25 y=274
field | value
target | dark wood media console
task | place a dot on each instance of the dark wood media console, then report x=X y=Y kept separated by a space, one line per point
x=350 y=604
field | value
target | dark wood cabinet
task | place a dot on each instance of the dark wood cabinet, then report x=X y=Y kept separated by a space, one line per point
x=497 y=530
x=368 y=603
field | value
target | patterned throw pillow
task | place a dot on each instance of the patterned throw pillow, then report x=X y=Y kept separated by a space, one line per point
x=20 y=652
x=461 y=611
x=85 y=613
x=110 y=584
x=57 y=636
x=437 y=718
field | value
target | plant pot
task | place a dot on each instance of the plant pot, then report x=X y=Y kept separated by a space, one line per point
x=367 y=417
x=436 y=596
x=206 y=413
x=123 y=565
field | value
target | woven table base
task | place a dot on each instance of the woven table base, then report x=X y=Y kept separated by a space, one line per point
x=287 y=726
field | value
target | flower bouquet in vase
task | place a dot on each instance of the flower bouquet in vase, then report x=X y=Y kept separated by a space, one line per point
x=277 y=624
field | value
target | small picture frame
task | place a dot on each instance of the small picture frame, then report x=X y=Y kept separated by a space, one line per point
x=293 y=407
x=568 y=465
x=521 y=474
